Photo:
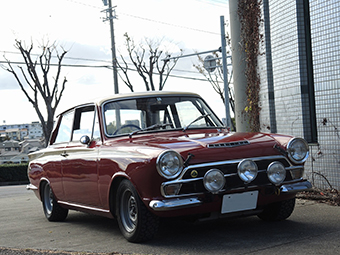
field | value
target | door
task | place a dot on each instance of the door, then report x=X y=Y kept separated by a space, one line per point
x=80 y=163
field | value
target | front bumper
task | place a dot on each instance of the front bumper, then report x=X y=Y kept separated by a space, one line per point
x=180 y=203
x=296 y=187
x=31 y=187
x=172 y=204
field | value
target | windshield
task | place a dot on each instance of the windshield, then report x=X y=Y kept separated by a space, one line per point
x=130 y=115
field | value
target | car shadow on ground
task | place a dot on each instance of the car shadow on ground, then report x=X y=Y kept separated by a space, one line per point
x=233 y=234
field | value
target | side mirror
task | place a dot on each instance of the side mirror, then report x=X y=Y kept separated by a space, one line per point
x=85 y=139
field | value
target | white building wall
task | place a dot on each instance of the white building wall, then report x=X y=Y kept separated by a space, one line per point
x=323 y=166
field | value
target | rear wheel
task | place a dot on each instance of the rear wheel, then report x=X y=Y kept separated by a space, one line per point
x=53 y=211
x=136 y=223
x=278 y=211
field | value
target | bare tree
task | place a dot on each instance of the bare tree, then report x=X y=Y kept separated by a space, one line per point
x=149 y=60
x=35 y=87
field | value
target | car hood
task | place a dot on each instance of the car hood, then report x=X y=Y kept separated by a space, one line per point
x=212 y=146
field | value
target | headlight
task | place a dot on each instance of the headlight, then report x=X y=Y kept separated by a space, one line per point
x=169 y=164
x=247 y=170
x=276 y=173
x=214 y=180
x=298 y=150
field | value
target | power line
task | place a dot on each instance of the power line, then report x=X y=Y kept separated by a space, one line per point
x=152 y=20
x=170 y=24
x=110 y=67
x=85 y=59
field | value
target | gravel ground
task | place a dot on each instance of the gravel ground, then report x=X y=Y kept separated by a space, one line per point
x=12 y=251
x=327 y=196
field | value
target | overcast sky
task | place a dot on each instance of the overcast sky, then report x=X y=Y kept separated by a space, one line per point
x=77 y=26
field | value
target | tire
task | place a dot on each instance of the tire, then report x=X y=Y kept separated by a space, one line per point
x=278 y=211
x=53 y=211
x=136 y=223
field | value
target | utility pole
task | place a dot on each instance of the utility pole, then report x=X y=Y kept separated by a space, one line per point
x=110 y=17
x=239 y=66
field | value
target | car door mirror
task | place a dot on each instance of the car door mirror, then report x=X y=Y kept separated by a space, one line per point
x=85 y=139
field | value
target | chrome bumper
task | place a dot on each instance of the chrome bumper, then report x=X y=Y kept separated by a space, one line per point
x=179 y=203
x=172 y=204
x=296 y=187
x=31 y=187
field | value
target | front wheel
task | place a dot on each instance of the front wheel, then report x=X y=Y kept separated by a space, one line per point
x=136 y=223
x=278 y=211
x=53 y=211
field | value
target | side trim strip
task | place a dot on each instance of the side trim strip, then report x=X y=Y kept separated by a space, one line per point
x=84 y=207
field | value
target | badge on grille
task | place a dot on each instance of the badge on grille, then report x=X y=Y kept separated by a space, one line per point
x=194 y=173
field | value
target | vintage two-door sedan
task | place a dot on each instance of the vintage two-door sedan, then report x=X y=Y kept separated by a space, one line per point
x=141 y=156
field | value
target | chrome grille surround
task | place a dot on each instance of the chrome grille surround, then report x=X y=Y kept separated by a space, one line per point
x=227 y=167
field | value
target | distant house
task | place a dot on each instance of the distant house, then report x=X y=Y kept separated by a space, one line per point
x=35 y=130
x=12 y=133
x=20 y=132
x=31 y=145
x=10 y=145
x=9 y=150
x=17 y=152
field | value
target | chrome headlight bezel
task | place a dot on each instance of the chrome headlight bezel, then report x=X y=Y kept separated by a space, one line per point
x=169 y=164
x=298 y=150
x=276 y=173
x=247 y=170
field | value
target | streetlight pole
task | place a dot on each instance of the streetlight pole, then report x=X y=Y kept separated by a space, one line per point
x=225 y=74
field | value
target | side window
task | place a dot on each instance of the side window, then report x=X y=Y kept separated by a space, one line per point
x=64 y=131
x=83 y=122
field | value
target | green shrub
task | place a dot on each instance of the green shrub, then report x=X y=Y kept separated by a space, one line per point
x=13 y=173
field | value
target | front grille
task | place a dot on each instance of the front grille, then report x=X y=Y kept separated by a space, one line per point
x=192 y=178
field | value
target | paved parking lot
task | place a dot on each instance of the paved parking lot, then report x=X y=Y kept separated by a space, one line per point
x=312 y=229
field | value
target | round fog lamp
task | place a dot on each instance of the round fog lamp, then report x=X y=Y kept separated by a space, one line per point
x=276 y=173
x=247 y=170
x=214 y=180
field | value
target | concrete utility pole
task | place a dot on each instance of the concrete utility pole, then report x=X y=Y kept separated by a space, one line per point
x=110 y=17
x=239 y=67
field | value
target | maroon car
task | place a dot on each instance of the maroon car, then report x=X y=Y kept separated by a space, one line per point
x=141 y=156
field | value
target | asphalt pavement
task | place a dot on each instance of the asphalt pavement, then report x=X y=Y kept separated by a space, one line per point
x=314 y=228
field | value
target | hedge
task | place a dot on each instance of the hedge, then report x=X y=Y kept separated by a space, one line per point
x=13 y=173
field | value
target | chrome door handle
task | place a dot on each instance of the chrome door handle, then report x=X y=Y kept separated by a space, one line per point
x=64 y=154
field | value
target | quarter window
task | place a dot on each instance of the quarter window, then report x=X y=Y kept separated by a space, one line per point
x=64 y=132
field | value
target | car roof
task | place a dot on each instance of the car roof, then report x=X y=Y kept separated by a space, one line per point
x=144 y=94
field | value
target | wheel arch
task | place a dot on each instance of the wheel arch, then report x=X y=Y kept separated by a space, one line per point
x=113 y=192
x=42 y=183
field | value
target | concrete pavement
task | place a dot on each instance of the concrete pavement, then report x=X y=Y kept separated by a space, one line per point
x=312 y=229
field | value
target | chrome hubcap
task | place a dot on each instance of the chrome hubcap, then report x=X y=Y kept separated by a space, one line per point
x=129 y=211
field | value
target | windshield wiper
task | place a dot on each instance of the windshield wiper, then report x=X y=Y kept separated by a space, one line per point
x=152 y=127
x=195 y=120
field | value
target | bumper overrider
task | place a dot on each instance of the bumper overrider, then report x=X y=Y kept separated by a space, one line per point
x=180 y=203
